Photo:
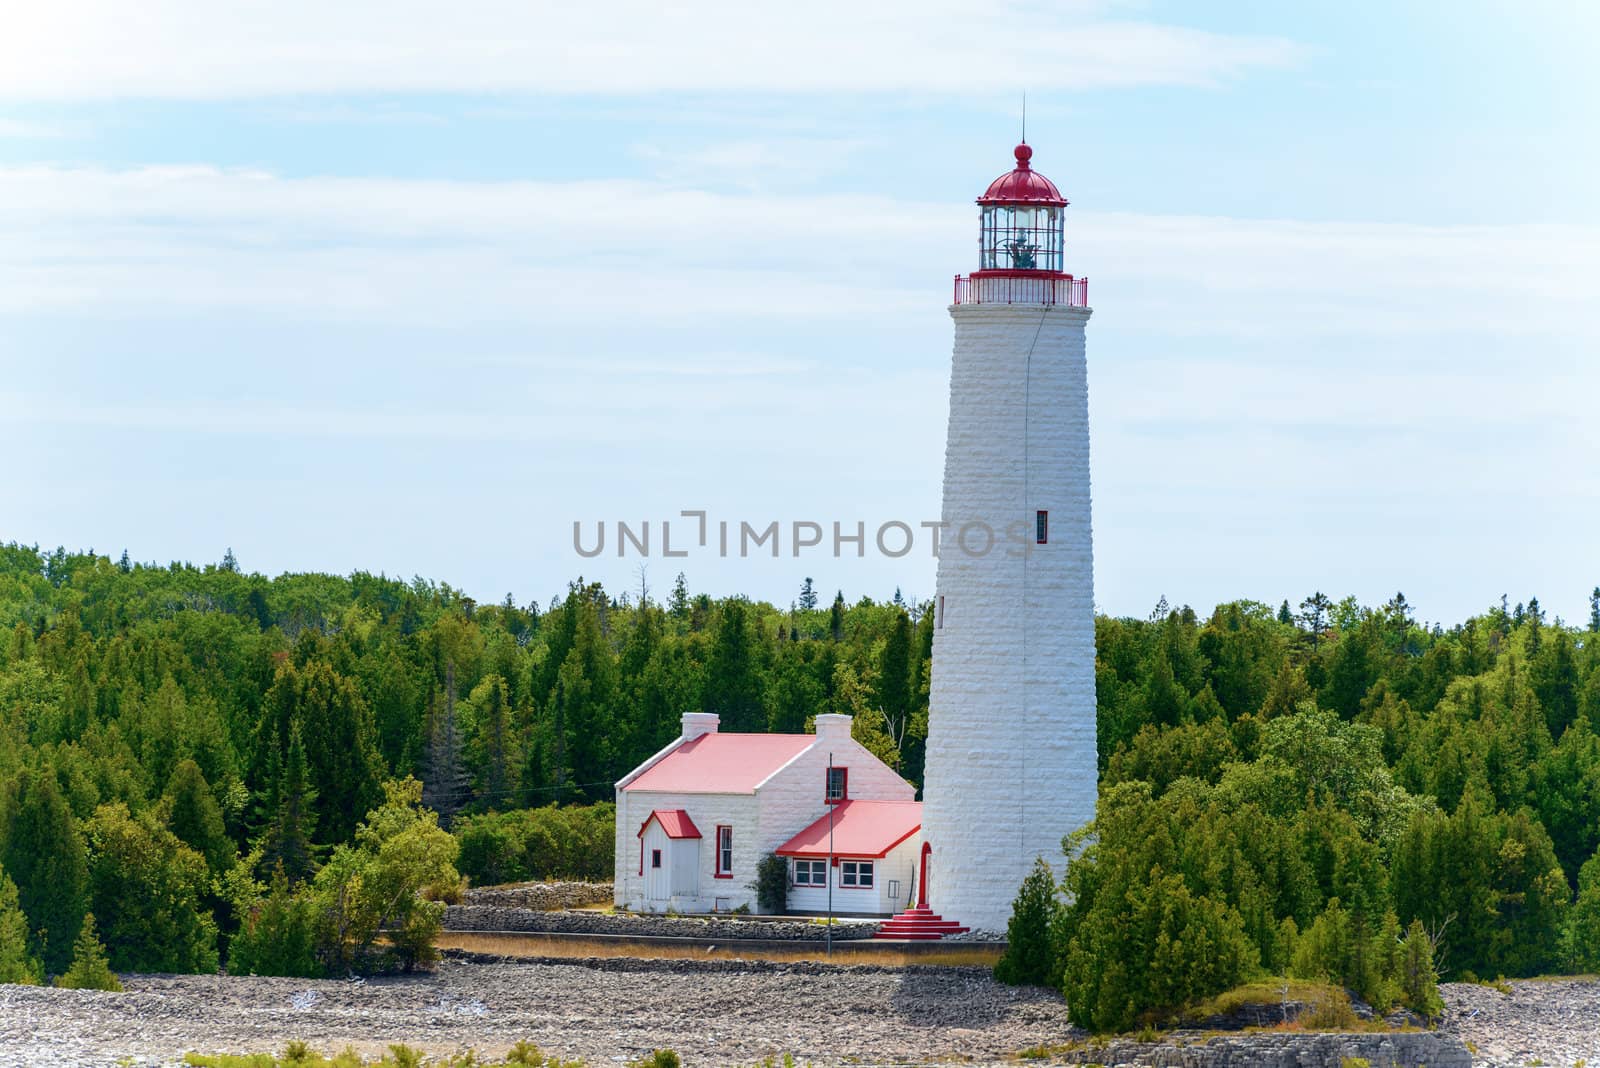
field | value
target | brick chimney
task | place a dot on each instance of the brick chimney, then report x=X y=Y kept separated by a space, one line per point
x=833 y=729
x=697 y=723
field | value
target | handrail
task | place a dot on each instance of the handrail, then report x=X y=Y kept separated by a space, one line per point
x=1022 y=289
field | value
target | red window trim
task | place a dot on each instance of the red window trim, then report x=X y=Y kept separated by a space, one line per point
x=844 y=786
x=721 y=872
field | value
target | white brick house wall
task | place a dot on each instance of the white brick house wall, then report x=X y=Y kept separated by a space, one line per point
x=1011 y=728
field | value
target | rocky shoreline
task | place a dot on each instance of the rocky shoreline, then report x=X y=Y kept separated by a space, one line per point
x=727 y=1013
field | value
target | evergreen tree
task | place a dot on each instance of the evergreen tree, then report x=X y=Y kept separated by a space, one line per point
x=277 y=935
x=17 y=965
x=288 y=843
x=1419 y=979
x=194 y=816
x=89 y=969
x=1285 y=616
x=893 y=689
x=1594 y=611
x=1314 y=615
x=733 y=684
x=1581 y=938
x=808 y=595
x=43 y=853
x=1030 y=956
x=678 y=600
x=494 y=745
x=341 y=748
x=836 y=617
x=149 y=891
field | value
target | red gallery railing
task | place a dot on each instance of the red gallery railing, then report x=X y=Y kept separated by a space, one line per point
x=1021 y=289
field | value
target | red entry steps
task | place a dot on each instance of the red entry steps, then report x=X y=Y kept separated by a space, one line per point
x=919 y=925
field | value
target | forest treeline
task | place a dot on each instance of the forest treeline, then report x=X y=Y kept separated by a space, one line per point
x=226 y=742
x=218 y=739
x=1330 y=793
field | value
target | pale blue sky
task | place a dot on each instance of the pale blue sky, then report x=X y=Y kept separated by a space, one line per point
x=413 y=286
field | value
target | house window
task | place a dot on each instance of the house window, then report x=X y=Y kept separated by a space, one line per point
x=724 y=851
x=856 y=873
x=655 y=858
x=838 y=785
x=811 y=873
x=1041 y=527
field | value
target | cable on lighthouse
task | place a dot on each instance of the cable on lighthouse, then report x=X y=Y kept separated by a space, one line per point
x=1027 y=407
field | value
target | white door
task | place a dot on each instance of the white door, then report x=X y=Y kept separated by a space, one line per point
x=657 y=865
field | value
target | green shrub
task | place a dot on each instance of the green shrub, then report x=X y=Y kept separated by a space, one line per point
x=1338 y=948
x=1030 y=957
x=660 y=1058
x=16 y=964
x=1146 y=944
x=772 y=883
x=1419 y=980
x=1581 y=935
x=380 y=886
x=277 y=936
x=150 y=892
x=89 y=970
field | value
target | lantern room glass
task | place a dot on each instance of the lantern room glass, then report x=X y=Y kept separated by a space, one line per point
x=1020 y=237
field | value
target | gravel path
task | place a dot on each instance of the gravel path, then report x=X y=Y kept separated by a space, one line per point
x=714 y=1013
x=1553 y=1022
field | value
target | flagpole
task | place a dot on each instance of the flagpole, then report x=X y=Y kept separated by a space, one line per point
x=827 y=799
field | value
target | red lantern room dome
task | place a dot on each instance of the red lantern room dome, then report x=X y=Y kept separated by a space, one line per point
x=1024 y=185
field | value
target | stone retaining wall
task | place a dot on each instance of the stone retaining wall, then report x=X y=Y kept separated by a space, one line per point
x=542 y=895
x=1419 y=1049
x=495 y=918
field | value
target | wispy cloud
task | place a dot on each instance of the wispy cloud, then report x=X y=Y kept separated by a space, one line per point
x=751 y=163
x=180 y=48
x=23 y=128
x=450 y=251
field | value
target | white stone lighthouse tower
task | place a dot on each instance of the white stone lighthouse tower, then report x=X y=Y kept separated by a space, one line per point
x=1011 y=728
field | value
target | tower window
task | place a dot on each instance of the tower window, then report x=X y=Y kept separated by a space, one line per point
x=938 y=614
x=1041 y=527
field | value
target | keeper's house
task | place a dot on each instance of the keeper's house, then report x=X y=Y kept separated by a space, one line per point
x=694 y=820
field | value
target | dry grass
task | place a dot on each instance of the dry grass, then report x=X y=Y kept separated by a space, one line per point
x=515 y=944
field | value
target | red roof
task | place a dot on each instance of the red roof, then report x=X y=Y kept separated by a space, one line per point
x=1023 y=185
x=722 y=763
x=860 y=829
x=675 y=821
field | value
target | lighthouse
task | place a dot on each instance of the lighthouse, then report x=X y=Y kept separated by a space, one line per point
x=1011 y=763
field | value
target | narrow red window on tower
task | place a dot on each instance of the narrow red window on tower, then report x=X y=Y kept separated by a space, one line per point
x=1041 y=527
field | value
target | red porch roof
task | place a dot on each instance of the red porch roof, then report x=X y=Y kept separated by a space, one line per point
x=860 y=829
x=675 y=821
x=722 y=763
